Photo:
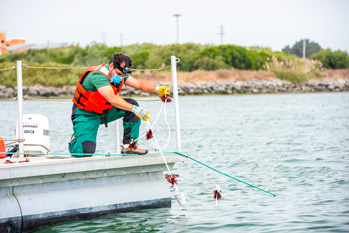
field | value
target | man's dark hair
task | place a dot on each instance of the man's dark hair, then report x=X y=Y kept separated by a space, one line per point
x=118 y=58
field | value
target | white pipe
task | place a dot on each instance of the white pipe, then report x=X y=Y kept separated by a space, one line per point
x=117 y=137
x=20 y=108
x=175 y=97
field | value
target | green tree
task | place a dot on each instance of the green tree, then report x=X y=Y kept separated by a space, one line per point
x=92 y=55
x=140 y=59
x=109 y=52
x=133 y=49
x=206 y=63
x=297 y=48
x=332 y=60
x=233 y=56
x=185 y=52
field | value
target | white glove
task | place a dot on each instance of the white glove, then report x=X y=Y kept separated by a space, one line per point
x=140 y=112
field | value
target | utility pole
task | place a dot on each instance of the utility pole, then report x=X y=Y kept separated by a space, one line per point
x=221 y=33
x=177 y=15
x=303 y=48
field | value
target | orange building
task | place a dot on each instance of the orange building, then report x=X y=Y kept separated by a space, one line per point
x=6 y=43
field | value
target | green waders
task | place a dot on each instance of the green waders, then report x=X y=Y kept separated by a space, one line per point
x=86 y=125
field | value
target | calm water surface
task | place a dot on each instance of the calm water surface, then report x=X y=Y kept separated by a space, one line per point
x=294 y=145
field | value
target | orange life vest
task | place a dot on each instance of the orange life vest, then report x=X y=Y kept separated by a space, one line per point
x=93 y=101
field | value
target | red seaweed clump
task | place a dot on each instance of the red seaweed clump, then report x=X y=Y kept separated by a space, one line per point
x=217 y=195
x=166 y=98
x=149 y=134
x=171 y=178
x=133 y=145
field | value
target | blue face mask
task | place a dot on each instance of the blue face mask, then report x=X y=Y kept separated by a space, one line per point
x=116 y=79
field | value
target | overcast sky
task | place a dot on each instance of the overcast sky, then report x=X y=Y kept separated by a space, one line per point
x=267 y=23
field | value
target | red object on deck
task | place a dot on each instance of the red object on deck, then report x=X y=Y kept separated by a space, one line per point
x=8 y=161
x=2 y=148
x=24 y=161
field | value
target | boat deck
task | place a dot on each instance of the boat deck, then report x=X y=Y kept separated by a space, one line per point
x=45 y=191
x=41 y=169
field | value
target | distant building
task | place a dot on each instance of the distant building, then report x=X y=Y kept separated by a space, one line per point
x=4 y=43
x=19 y=45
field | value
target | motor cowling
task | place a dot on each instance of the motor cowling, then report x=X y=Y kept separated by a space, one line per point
x=36 y=133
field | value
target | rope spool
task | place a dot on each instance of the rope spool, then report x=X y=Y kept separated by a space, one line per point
x=2 y=148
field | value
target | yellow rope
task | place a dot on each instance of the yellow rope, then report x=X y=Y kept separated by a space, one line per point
x=12 y=68
x=152 y=69
x=11 y=141
x=52 y=68
x=63 y=68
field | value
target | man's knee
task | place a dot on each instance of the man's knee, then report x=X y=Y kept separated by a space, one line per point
x=89 y=147
x=131 y=101
x=130 y=116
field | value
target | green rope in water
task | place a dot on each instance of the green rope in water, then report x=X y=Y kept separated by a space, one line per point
x=224 y=173
x=110 y=154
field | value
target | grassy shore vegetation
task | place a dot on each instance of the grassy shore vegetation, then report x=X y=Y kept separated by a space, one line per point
x=295 y=71
x=194 y=57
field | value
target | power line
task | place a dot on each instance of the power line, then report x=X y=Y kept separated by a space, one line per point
x=221 y=33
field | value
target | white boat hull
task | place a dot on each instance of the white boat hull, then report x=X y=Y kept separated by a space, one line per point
x=36 y=194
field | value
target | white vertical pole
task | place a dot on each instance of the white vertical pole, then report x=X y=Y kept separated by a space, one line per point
x=175 y=97
x=117 y=137
x=177 y=15
x=20 y=108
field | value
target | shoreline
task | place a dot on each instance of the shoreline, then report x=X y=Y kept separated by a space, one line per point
x=252 y=86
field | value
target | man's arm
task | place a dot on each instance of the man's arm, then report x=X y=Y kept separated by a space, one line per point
x=140 y=84
x=108 y=93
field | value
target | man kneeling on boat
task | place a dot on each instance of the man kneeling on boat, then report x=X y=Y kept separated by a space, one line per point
x=96 y=101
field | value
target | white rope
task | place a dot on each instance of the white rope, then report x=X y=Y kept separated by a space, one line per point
x=168 y=126
x=163 y=106
x=158 y=146
x=163 y=157
x=150 y=126
x=169 y=129
x=153 y=124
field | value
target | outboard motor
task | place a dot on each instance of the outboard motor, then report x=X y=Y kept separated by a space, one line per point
x=36 y=133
